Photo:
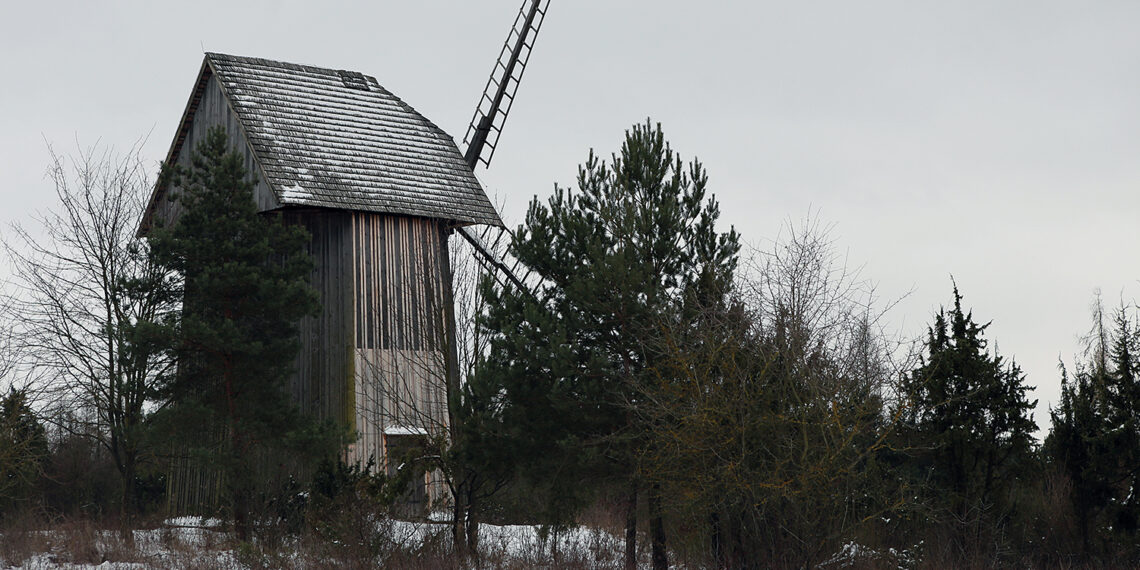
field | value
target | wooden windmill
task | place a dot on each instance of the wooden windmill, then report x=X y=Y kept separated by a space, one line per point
x=380 y=188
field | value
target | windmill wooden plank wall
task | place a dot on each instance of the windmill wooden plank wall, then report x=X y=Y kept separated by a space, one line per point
x=379 y=187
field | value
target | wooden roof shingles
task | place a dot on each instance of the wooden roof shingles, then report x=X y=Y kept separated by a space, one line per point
x=337 y=139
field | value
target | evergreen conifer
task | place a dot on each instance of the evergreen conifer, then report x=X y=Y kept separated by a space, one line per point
x=971 y=423
x=618 y=257
x=1095 y=438
x=244 y=285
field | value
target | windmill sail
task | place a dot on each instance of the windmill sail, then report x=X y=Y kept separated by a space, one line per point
x=487 y=125
x=491 y=112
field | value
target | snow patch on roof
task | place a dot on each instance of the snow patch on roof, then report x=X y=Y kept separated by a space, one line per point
x=294 y=192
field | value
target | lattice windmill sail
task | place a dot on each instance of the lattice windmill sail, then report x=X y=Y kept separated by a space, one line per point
x=491 y=112
x=483 y=137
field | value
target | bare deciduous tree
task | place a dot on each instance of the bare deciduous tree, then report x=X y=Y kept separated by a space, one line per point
x=9 y=355
x=769 y=417
x=80 y=276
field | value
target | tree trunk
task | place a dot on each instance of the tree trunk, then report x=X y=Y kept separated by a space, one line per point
x=1083 y=521
x=240 y=498
x=128 y=504
x=472 y=528
x=458 y=519
x=716 y=539
x=657 y=530
x=241 y=491
x=631 y=529
x=459 y=531
x=740 y=557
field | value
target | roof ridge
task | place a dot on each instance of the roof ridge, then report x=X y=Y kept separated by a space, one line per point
x=285 y=64
x=325 y=71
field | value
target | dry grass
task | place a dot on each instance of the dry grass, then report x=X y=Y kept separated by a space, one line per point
x=70 y=542
x=34 y=543
x=20 y=540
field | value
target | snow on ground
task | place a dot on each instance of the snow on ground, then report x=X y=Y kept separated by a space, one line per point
x=193 y=522
x=170 y=547
x=516 y=541
x=853 y=554
x=191 y=542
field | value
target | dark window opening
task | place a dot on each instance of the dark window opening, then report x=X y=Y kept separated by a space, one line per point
x=354 y=80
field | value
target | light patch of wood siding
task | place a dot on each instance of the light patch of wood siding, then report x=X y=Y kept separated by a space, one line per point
x=401 y=286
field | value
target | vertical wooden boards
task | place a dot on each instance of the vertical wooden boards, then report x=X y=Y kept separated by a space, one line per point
x=399 y=281
x=192 y=487
x=323 y=383
x=401 y=323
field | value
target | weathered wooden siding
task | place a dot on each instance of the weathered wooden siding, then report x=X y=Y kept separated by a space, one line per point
x=401 y=287
x=214 y=109
x=398 y=269
x=193 y=487
x=323 y=381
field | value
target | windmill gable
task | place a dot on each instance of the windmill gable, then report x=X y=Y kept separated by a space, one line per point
x=328 y=138
x=208 y=107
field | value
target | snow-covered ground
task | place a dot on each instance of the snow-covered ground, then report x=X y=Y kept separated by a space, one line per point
x=168 y=547
x=855 y=555
x=526 y=543
x=190 y=542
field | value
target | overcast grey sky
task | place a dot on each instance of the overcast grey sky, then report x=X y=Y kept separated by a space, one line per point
x=995 y=141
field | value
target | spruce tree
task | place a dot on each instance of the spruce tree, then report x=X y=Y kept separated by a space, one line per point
x=619 y=255
x=970 y=421
x=1095 y=437
x=1081 y=445
x=244 y=285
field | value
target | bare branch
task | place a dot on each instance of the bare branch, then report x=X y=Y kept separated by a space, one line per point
x=73 y=305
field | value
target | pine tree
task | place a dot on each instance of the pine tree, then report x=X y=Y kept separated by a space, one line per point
x=618 y=256
x=244 y=286
x=971 y=421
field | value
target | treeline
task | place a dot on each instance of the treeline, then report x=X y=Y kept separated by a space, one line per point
x=719 y=406
x=753 y=413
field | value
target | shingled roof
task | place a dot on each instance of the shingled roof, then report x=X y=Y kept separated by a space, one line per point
x=337 y=139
